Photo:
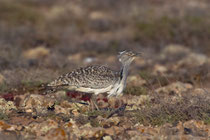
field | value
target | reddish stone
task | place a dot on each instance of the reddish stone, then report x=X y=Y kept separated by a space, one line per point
x=72 y=94
x=85 y=98
x=8 y=97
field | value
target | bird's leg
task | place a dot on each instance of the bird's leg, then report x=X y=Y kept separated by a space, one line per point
x=119 y=111
x=93 y=102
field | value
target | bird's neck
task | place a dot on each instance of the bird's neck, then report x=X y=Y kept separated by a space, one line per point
x=124 y=74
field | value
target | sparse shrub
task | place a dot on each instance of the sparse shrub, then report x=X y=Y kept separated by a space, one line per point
x=145 y=75
x=134 y=90
x=161 y=111
x=153 y=80
x=3 y=116
x=4 y=87
x=31 y=84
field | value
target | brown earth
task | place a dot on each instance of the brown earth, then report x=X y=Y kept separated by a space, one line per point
x=167 y=94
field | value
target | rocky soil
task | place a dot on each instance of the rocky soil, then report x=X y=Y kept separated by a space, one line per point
x=168 y=88
x=156 y=105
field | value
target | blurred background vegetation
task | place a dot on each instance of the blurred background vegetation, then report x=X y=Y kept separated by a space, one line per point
x=42 y=38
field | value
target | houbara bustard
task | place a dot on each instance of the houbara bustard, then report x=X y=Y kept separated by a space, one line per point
x=97 y=79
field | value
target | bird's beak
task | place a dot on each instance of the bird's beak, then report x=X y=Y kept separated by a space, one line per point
x=138 y=54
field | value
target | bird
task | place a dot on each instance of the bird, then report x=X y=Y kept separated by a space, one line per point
x=97 y=79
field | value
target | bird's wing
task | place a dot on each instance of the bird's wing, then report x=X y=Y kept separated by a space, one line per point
x=92 y=77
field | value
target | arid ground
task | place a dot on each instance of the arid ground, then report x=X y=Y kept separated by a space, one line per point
x=168 y=88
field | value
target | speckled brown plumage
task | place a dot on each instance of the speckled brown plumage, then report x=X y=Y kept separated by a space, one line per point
x=90 y=77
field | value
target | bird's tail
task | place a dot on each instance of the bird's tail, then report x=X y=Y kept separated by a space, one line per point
x=46 y=89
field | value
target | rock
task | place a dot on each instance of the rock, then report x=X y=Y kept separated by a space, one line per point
x=6 y=106
x=173 y=49
x=199 y=91
x=192 y=60
x=168 y=129
x=59 y=109
x=98 y=15
x=158 y=69
x=183 y=56
x=115 y=102
x=4 y=126
x=42 y=128
x=60 y=94
x=76 y=58
x=21 y=120
x=56 y=134
x=99 y=133
x=80 y=57
x=114 y=130
x=107 y=138
x=135 y=81
x=84 y=131
x=75 y=112
x=102 y=104
x=71 y=126
x=19 y=99
x=39 y=103
x=71 y=107
x=89 y=132
x=9 y=136
x=36 y=53
x=134 y=102
x=89 y=60
x=8 y=96
x=136 y=137
x=113 y=121
x=193 y=128
x=175 y=88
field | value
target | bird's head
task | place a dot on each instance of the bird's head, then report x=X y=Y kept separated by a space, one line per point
x=126 y=57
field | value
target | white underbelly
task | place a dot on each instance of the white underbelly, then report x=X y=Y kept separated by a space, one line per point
x=95 y=91
x=117 y=90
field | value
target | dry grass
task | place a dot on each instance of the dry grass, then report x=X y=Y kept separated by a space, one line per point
x=162 y=110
